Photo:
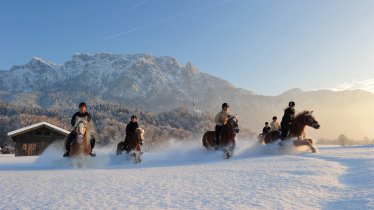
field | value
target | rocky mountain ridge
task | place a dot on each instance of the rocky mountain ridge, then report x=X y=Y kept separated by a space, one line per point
x=157 y=84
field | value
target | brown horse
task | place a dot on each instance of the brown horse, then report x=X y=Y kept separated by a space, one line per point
x=133 y=148
x=227 y=140
x=81 y=144
x=297 y=128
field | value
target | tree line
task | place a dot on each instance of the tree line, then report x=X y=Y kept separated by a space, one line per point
x=109 y=120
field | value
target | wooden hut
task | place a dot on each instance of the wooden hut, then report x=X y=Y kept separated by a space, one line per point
x=34 y=139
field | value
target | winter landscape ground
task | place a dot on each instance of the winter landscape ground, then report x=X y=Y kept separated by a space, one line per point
x=185 y=176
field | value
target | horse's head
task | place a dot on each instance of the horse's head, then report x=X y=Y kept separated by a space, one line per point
x=233 y=123
x=139 y=134
x=309 y=119
x=80 y=128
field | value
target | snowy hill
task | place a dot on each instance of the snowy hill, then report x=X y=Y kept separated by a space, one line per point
x=188 y=177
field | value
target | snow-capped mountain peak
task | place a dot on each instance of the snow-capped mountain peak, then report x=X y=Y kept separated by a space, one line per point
x=133 y=77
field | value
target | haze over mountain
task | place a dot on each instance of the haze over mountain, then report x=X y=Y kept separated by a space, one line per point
x=162 y=83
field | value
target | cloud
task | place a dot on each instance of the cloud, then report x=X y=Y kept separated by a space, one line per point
x=166 y=19
x=367 y=85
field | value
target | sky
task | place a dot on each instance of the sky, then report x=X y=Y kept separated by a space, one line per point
x=266 y=46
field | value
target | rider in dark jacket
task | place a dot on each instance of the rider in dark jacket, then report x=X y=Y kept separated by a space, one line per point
x=82 y=113
x=288 y=117
x=130 y=131
x=266 y=129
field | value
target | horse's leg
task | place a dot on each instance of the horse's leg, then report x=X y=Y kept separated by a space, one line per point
x=229 y=150
x=138 y=154
x=87 y=145
x=306 y=142
x=310 y=145
x=261 y=139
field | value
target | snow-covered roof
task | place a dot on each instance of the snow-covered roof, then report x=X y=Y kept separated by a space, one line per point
x=35 y=126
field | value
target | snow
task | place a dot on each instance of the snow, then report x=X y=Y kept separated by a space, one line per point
x=185 y=176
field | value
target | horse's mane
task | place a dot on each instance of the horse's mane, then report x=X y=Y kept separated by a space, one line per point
x=89 y=125
x=141 y=130
x=233 y=116
x=300 y=114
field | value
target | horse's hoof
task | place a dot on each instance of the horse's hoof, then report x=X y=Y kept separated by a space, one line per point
x=314 y=150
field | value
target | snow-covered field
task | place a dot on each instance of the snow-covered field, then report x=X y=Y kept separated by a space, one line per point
x=185 y=176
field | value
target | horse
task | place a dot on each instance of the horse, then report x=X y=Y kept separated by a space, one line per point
x=297 y=128
x=226 y=141
x=81 y=143
x=133 y=148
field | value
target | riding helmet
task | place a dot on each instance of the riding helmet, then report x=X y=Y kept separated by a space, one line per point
x=225 y=105
x=291 y=103
x=82 y=104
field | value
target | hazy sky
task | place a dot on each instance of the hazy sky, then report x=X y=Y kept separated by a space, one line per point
x=267 y=46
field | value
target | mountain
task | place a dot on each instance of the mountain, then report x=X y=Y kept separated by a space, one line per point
x=127 y=79
x=157 y=84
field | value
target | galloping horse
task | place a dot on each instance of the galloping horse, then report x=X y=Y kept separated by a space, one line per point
x=297 y=128
x=227 y=140
x=81 y=143
x=133 y=148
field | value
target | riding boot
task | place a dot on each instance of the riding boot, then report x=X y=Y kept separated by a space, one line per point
x=218 y=135
x=92 y=142
x=217 y=142
x=126 y=144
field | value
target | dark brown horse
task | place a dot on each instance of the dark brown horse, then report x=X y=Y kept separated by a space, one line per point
x=133 y=148
x=297 y=128
x=227 y=140
x=81 y=144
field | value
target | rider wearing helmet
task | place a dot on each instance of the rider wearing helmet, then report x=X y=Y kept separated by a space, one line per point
x=288 y=117
x=130 y=131
x=221 y=119
x=81 y=113
x=266 y=129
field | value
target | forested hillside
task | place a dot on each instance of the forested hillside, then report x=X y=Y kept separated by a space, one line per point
x=110 y=121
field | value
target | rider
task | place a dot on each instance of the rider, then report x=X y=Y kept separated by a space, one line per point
x=130 y=132
x=82 y=113
x=274 y=125
x=221 y=119
x=288 y=117
x=266 y=129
